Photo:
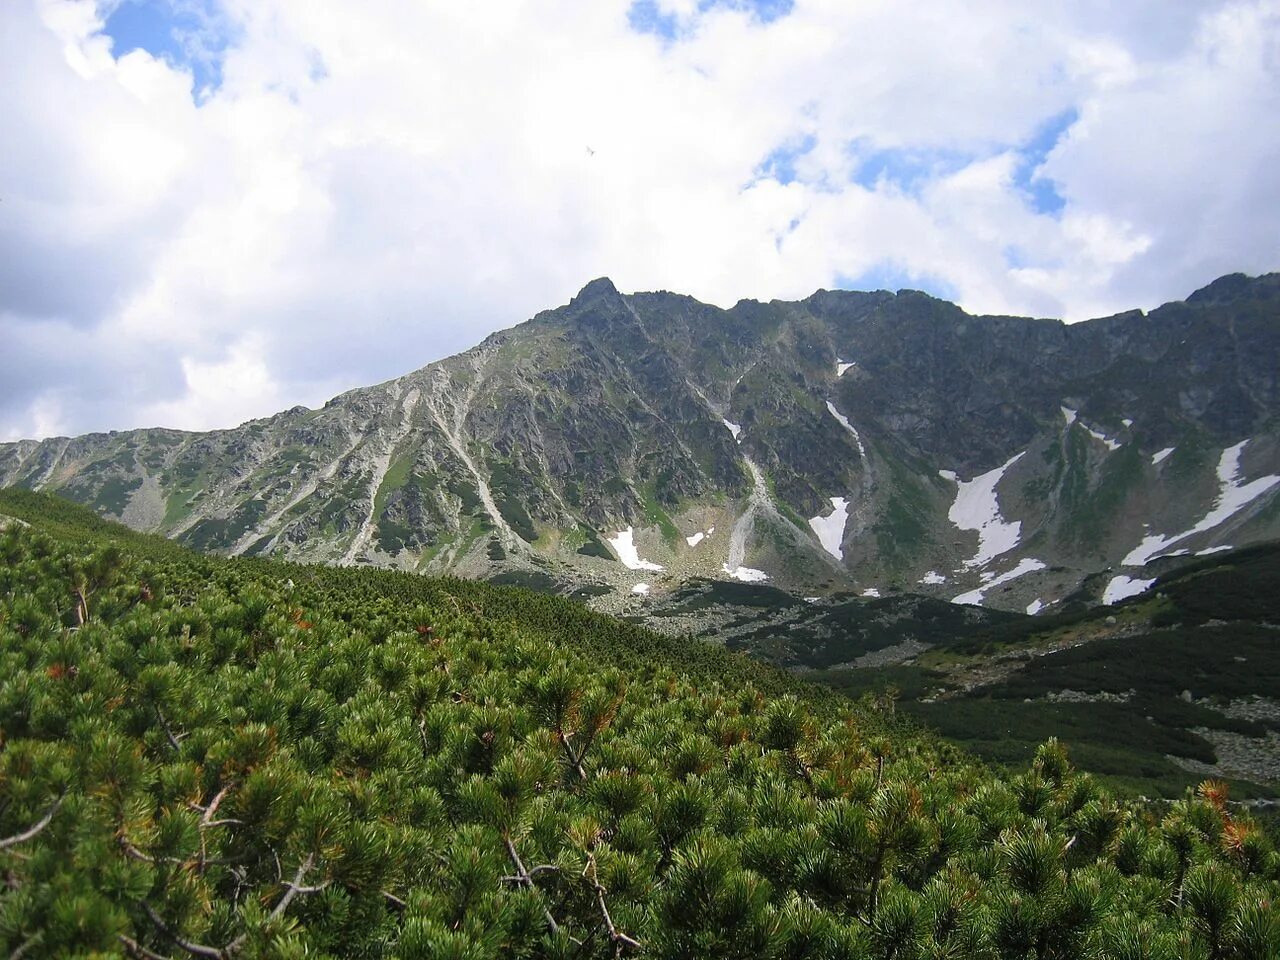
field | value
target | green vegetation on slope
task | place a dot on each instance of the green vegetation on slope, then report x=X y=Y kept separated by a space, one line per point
x=1110 y=680
x=1208 y=630
x=217 y=758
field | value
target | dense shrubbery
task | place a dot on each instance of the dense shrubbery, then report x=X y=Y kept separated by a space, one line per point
x=215 y=759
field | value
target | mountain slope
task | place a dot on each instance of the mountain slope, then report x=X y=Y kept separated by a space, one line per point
x=242 y=758
x=1179 y=682
x=865 y=441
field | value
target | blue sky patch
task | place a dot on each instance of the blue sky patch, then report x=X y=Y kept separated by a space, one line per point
x=645 y=16
x=780 y=165
x=906 y=169
x=1041 y=191
x=190 y=34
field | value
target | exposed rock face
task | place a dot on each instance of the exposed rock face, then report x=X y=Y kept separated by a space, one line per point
x=661 y=413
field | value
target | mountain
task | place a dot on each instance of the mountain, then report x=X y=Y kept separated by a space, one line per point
x=622 y=445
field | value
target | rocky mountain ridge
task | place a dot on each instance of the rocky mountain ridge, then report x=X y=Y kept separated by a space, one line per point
x=869 y=442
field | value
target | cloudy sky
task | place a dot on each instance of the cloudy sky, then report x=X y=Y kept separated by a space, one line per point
x=214 y=209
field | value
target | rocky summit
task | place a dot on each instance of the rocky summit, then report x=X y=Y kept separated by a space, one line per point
x=870 y=443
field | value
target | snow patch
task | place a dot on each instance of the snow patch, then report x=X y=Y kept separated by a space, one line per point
x=1222 y=549
x=1233 y=496
x=812 y=599
x=1121 y=587
x=642 y=589
x=933 y=576
x=624 y=546
x=1127 y=423
x=830 y=529
x=1025 y=566
x=1071 y=415
x=977 y=508
x=949 y=475
x=1034 y=607
x=1159 y=457
x=842 y=366
x=871 y=592
x=844 y=422
x=1101 y=437
x=734 y=428
x=696 y=539
x=745 y=574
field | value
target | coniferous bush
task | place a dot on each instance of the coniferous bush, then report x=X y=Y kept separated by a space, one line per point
x=207 y=758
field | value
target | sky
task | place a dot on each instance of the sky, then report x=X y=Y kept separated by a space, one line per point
x=212 y=210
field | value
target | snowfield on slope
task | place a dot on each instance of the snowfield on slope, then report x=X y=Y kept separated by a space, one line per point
x=830 y=529
x=844 y=422
x=1233 y=496
x=1025 y=566
x=745 y=574
x=977 y=508
x=1121 y=587
x=1101 y=437
x=694 y=539
x=624 y=546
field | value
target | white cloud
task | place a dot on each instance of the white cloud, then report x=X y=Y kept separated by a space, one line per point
x=368 y=191
x=217 y=392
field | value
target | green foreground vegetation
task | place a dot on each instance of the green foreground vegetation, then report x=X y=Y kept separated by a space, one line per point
x=212 y=758
x=1141 y=690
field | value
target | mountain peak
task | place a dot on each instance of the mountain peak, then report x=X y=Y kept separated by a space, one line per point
x=599 y=305
x=1237 y=286
x=599 y=288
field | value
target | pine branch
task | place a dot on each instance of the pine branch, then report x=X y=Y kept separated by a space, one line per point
x=527 y=880
x=533 y=872
x=195 y=949
x=212 y=808
x=27 y=944
x=207 y=822
x=82 y=606
x=133 y=852
x=174 y=741
x=575 y=759
x=137 y=950
x=619 y=939
x=294 y=888
x=34 y=830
